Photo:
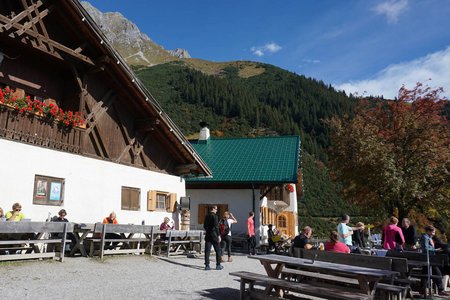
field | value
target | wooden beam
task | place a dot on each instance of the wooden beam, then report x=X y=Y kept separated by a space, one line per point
x=147 y=124
x=49 y=41
x=43 y=28
x=20 y=16
x=30 y=18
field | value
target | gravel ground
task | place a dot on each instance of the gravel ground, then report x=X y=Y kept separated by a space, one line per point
x=121 y=277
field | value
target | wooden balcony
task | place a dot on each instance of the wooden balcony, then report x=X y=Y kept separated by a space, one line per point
x=33 y=129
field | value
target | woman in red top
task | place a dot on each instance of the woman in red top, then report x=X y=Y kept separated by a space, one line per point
x=334 y=245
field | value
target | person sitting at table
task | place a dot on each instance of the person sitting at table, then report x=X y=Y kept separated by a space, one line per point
x=358 y=236
x=2 y=215
x=302 y=240
x=111 y=219
x=334 y=245
x=409 y=233
x=393 y=235
x=16 y=214
x=62 y=218
x=427 y=245
x=165 y=226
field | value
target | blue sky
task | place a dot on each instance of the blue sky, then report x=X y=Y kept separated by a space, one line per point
x=371 y=47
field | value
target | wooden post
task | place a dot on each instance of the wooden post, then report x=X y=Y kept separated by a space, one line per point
x=185 y=219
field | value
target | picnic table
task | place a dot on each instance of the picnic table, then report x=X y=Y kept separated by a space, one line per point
x=20 y=237
x=367 y=278
x=81 y=231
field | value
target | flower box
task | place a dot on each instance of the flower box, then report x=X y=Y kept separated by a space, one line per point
x=47 y=110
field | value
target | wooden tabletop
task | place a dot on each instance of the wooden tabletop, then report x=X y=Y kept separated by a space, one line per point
x=325 y=267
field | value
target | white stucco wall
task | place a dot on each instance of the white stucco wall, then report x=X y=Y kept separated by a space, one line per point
x=92 y=186
x=239 y=202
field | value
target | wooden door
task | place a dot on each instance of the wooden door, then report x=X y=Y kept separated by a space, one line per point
x=286 y=223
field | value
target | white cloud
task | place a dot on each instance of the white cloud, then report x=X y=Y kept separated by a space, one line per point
x=434 y=66
x=391 y=9
x=267 y=48
x=311 y=61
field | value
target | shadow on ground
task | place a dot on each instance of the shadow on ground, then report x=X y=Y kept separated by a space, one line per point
x=220 y=293
x=171 y=261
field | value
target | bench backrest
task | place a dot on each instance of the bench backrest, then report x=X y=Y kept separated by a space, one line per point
x=359 y=260
x=438 y=260
x=123 y=228
x=176 y=233
x=28 y=227
x=195 y=233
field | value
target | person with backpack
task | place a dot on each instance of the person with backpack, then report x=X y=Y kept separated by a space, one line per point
x=225 y=233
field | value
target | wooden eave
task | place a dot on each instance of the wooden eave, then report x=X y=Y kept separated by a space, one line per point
x=167 y=129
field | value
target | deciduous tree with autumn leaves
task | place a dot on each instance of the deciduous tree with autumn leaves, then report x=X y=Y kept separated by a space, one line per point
x=393 y=157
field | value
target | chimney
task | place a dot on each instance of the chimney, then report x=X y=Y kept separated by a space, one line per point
x=204 y=135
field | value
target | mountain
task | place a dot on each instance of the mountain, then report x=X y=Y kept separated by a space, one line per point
x=136 y=47
x=241 y=98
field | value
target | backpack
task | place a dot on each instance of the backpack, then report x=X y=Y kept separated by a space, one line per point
x=224 y=229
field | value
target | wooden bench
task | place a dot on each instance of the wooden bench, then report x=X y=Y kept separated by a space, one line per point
x=399 y=288
x=179 y=242
x=26 y=236
x=127 y=243
x=435 y=260
x=253 y=279
x=384 y=290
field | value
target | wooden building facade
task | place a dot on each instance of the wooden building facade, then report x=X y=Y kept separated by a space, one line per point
x=128 y=155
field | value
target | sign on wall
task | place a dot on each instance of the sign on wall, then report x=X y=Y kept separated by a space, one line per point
x=48 y=190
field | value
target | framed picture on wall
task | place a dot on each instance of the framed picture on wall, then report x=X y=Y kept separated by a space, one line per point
x=48 y=190
x=41 y=189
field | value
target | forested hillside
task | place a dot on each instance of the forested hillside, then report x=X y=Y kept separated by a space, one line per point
x=272 y=101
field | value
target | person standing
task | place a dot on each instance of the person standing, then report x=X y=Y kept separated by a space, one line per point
x=409 y=233
x=251 y=240
x=225 y=233
x=212 y=237
x=345 y=232
x=358 y=236
x=393 y=235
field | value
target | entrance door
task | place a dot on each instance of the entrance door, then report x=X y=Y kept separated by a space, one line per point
x=286 y=223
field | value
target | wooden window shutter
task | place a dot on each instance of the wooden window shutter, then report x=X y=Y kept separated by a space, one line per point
x=151 y=200
x=202 y=211
x=172 y=202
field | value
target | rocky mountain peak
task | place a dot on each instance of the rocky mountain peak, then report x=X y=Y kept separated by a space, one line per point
x=180 y=53
x=136 y=47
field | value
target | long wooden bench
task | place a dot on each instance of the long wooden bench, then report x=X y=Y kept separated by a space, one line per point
x=127 y=243
x=179 y=242
x=435 y=260
x=400 y=288
x=18 y=237
x=385 y=291
x=253 y=279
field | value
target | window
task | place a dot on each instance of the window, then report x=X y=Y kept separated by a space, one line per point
x=282 y=222
x=48 y=190
x=131 y=198
x=161 y=201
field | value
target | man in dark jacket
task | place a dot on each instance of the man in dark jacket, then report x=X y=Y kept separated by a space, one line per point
x=212 y=237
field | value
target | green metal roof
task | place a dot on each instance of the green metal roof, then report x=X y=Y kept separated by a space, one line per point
x=250 y=160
